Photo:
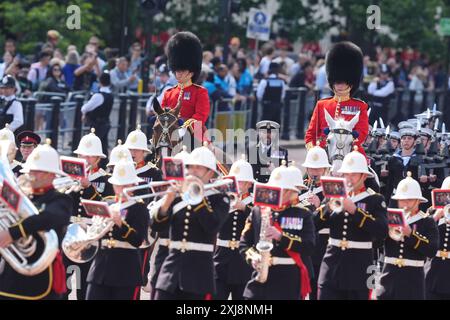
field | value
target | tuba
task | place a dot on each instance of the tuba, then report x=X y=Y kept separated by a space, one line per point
x=264 y=246
x=18 y=253
x=82 y=240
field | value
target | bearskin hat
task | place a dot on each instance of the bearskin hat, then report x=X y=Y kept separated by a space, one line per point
x=184 y=52
x=344 y=63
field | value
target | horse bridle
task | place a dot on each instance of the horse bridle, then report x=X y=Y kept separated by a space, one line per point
x=165 y=129
x=339 y=155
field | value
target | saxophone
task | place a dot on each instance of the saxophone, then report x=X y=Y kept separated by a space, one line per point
x=264 y=246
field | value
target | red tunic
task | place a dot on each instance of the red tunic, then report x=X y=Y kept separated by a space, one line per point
x=194 y=104
x=348 y=109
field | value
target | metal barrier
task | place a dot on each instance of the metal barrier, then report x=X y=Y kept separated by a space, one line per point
x=59 y=117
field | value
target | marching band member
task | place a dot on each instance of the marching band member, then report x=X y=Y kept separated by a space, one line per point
x=188 y=270
x=184 y=52
x=407 y=248
x=316 y=165
x=267 y=154
x=137 y=144
x=115 y=273
x=343 y=272
x=344 y=65
x=162 y=249
x=55 y=208
x=94 y=187
x=8 y=135
x=403 y=161
x=118 y=153
x=437 y=270
x=232 y=272
x=290 y=230
x=28 y=142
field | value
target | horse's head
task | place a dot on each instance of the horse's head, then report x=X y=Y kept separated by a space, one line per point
x=165 y=130
x=340 y=139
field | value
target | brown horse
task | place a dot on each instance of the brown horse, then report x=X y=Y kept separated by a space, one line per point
x=166 y=135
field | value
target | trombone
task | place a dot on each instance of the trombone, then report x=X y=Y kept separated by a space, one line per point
x=192 y=189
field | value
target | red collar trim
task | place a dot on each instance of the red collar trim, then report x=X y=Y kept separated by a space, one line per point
x=41 y=191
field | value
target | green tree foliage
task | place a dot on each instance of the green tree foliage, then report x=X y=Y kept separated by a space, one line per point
x=29 y=21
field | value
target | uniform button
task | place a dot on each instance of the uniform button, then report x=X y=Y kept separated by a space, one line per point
x=186 y=227
x=233 y=239
x=345 y=220
x=346 y=214
x=445 y=245
x=186 y=221
x=185 y=234
x=79 y=210
x=189 y=207
x=401 y=245
x=110 y=234
x=344 y=239
x=81 y=192
x=446 y=234
x=401 y=250
x=446 y=239
x=345 y=227
x=234 y=228
x=400 y=256
x=234 y=223
x=183 y=240
x=235 y=218
x=344 y=233
x=188 y=214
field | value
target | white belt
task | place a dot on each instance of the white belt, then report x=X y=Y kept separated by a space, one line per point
x=228 y=244
x=77 y=219
x=324 y=231
x=164 y=242
x=345 y=244
x=281 y=261
x=404 y=262
x=443 y=254
x=111 y=244
x=188 y=246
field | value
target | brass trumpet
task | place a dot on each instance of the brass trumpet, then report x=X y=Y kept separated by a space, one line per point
x=192 y=189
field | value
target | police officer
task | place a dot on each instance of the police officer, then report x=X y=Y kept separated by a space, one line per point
x=381 y=90
x=11 y=110
x=344 y=64
x=290 y=230
x=232 y=273
x=266 y=154
x=97 y=110
x=344 y=269
x=94 y=187
x=437 y=269
x=55 y=209
x=408 y=247
x=187 y=271
x=316 y=165
x=271 y=92
x=28 y=141
x=115 y=273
